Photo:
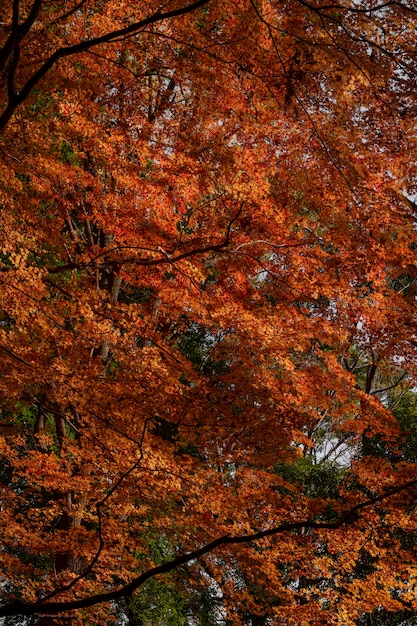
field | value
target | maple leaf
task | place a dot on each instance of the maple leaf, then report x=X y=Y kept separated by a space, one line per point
x=207 y=310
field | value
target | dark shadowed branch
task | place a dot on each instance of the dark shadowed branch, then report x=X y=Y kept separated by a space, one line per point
x=54 y=608
x=12 y=46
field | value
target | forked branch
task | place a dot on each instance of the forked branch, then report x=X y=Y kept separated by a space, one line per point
x=20 y=96
x=161 y=259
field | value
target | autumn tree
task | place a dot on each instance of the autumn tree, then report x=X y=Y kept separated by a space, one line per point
x=207 y=271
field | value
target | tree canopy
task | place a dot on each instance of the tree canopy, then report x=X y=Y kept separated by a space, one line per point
x=208 y=312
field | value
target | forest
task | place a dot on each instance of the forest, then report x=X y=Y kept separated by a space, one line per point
x=208 y=322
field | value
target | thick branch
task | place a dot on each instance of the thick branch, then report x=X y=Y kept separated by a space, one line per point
x=18 y=32
x=53 y=608
x=83 y=46
x=370 y=375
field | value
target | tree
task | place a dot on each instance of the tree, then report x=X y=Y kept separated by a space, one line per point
x=208 y=227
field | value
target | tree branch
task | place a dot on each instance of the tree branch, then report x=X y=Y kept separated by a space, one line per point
x=83 y=46
x=54 y=608
x=18 y=32
x=397 y=382
x=164 y=259
x=99 y=505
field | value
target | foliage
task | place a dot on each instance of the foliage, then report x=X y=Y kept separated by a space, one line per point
x=207 y=312
x=313 y=479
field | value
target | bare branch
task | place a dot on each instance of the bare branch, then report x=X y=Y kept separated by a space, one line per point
x=397 y=382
